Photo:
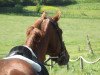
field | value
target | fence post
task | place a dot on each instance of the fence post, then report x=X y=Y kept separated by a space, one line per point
x=67 y=66
x=81 y=63
x=89 y=45
x=78 y=48
x=51 y=64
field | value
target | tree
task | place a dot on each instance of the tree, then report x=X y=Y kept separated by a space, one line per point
x=44 y=1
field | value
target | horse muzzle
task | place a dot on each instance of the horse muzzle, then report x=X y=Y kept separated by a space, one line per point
x=63 y=60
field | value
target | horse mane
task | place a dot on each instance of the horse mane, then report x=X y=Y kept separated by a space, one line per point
x=29 y=30
x=38 y=34
x=34 y=36
x=35 y=25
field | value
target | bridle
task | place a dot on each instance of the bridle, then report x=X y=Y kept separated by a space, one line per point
x=55 y=26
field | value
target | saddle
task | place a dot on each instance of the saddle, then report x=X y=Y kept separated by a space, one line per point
x=24 y=53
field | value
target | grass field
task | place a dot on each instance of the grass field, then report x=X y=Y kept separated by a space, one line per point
x=75 y=30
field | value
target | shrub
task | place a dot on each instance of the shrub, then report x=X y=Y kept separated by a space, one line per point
x=18 y=8
x=38 y=8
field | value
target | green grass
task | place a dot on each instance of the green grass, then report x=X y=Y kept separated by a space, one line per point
x=86 y=10
x=81 y=20
x=87 y=1
x=12 y=31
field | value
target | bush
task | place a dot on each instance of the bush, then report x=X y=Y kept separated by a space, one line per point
x=60 y=2
x=18 y=8
x=38 y=8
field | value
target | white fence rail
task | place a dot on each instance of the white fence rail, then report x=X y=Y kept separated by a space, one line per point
x=93 y=62
x=82 y=60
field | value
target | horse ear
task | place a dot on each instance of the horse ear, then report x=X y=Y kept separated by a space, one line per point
x=29 y=30
x=44 y=15
x=57 y=16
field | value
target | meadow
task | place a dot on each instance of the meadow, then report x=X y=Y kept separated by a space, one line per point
x=80 y=20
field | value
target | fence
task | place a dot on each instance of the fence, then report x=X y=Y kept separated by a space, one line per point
x=82 y=60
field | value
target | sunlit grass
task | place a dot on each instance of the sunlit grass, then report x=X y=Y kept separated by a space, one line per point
x=86 y=10
x=87 y=1
x=44 y=8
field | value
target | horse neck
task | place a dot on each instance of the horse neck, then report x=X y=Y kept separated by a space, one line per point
x=42 y=49
x=30 y=43
x=37 y=48
x=42 y=46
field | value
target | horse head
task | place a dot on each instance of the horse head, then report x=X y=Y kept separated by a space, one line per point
x=51 y=42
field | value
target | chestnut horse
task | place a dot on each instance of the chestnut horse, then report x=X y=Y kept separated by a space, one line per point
x=43 y=37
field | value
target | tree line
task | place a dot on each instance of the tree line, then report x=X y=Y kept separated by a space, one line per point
x=34 y=2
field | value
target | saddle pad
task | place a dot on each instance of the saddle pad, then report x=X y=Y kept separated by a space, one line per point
x=35 y=65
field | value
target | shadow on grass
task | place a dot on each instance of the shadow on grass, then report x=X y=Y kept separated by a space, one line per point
x=61 y=3
x=14 y=11
x=18 y=9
